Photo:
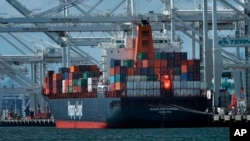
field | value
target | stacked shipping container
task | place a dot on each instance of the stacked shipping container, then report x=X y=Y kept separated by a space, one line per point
x=76 y=79
x=141 y=77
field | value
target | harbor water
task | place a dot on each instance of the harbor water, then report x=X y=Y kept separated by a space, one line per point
x=135 y=134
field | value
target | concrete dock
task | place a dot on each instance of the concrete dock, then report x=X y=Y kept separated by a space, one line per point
x=28 y=122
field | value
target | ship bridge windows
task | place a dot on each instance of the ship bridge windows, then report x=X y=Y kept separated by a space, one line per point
x=160 y=41
x=145 y=43
x=145 y=33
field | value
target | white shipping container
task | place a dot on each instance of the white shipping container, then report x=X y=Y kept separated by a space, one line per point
x=157 y=85
x=176 y=84
x=196 y=84
x=177 y=92
x=190 y=84
x=150 y=92
x=143 y=85
x=131 y=78
x=130 y=92
x=196 y=92
x=143 y=78
x=130 y=85
x=63 y=90
x=150 y=84
x=137 y=92
x=92 y=87
x=144 y=92
x=203 y=85
x=177 y=77
x=92 y=80
x=136 y=78
x=157 y=92
x=184 y=84
x=63 y=82
x=137 y=85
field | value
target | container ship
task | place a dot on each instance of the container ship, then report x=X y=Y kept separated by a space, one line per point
x=143 y=82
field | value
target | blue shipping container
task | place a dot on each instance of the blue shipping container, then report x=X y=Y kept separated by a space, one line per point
x=112 y=79
x=184 y=77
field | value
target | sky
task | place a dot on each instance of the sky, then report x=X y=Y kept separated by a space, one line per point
x=37 y=40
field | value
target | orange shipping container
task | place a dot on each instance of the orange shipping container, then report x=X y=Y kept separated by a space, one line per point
x=112 y=71
x=45 y=80
x=93 y=68
x=120 y=86
x=183 y=68
x=57 y=76
x=147 y=63
x=157 y=71
x=75 y=89
x=74 y=69
x=70 y=82
x=144 y=63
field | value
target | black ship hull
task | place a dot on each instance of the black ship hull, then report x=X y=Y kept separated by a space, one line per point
x=129 y=112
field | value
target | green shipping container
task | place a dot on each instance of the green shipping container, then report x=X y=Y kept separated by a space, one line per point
x=70 y=89
x=75 y=82
x=142 y=56
x=158 y=55
x=87 y=74
x=120 y=78
x=128 y=63
x=177 y=71
x=82 y=82
x=151 y=78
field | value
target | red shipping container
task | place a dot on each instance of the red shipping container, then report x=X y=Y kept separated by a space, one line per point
x=75 y=89
x=74 y=69
x=57 y=76
x=139 y=63
x=157 y=63
x=66 y=82
x=70 y=75
x=151 y=55
x=112 y=86
x=57 y=91
x=81 y=89
x=157 y=71
x=120 y=86
x=112 y=71
x=45 y=80
x=164 y=63
x=70 y=82
x=145 y=63
x=183 y=62
x=194 y=62
x=131 y=71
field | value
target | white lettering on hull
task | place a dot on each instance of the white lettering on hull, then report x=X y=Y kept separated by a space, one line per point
x=75 y=110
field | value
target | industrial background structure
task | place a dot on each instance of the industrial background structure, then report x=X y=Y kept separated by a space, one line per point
x=75 y=31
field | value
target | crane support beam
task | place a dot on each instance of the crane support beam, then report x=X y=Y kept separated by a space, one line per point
x=119 y=19
x=96 y=28
x=20 y=90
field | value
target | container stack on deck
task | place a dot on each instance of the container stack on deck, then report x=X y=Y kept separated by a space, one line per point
x=143 y=76
x=76 y=79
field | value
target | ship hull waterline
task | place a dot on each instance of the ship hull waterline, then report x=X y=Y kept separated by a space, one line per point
x=129 y=112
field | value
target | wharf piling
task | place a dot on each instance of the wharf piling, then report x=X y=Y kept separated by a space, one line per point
x=230 y=120
x=28 y=122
